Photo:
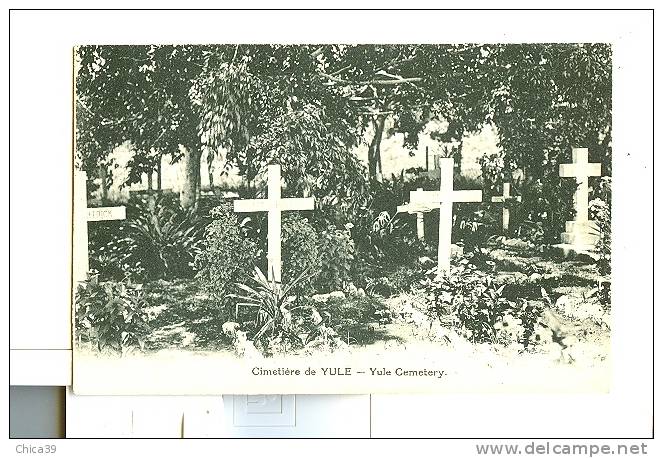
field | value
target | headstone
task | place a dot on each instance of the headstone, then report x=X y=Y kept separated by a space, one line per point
x=444 y=198
x=82 y=215
x=504 y=198
x=581 y=233
x=274 y=205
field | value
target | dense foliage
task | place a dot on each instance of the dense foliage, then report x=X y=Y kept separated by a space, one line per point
x=471 y=299
x=299 y=250
x=337 y=259
x=164 y=238
x=111 y=315
x=600 y=211
x=228 y=255
x=309 y=105
x=159 y=239
x=307 y=108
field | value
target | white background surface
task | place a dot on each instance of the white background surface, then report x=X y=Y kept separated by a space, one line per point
x=41 y=77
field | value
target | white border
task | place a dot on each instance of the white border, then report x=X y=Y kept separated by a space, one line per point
x=41 y=129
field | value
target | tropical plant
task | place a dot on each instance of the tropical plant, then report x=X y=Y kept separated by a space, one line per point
x=227 y=254
x=471 y=300
x=337 y=258
x=299 y=248
x=601 y=212
x=475 y=227
x=110 y=254
x=111 y=315
x=267 y=308
x=163 y=238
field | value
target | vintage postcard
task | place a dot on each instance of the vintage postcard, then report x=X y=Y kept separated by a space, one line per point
x=342 y=218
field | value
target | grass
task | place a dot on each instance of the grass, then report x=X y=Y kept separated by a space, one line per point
x=185 y=314
x=358 y=320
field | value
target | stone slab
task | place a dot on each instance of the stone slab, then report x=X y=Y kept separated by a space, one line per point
x=580 y=238
x=580 y=252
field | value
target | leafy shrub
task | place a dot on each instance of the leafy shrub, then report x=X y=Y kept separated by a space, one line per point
x=396 y=280
x=493 y=171
x=472 y=300
x=111 y=315
x=475 y=227
x=111 y=260
x=600 y=211
x=350 y=317
x=299 y=249
x=381 y=234
x=228 y=255
x=159 y=239
x=336 y=251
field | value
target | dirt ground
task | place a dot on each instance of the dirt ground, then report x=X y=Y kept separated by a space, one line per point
x=186 y=320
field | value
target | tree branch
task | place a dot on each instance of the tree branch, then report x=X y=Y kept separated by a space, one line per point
x=381 y=82
x=377 y=82
x=317 y=52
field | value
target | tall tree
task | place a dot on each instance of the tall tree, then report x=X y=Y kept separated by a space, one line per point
x=548 y=99
x=140 y=94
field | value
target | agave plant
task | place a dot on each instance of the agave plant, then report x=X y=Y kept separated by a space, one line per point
x=164 y=238
x=273 y=304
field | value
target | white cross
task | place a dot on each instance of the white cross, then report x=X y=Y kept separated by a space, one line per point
x=274 y=205
x=82 y=214
x=445 y=198
x=506 y=196
x=581 y=169
x=418 y=208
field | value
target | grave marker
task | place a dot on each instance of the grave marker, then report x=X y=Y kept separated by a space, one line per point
x=581 y=232
x=504 y=198
x=445 y=198
x=418 y=208
x=274 y=205
x=82 y=215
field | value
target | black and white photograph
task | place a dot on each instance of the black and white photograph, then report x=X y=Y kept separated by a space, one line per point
x=342 y=218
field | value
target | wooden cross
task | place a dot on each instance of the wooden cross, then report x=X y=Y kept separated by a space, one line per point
x=581 y=169
x=445 y=198
x=504 y=198
x=274 y=205
x=418 y=208
x=82 y=215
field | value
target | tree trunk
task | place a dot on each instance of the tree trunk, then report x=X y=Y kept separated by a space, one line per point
x=104 y=185
x=189 y=193
x=159 y=174
x=210 y=173
x=198 y=184
x=150 y=186
x=374 y=158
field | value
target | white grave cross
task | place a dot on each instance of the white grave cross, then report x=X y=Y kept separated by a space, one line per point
x=581 y=169
x=418 y=207
x=445 y=198
x=580 y=232
x=274 y=205
x=82 y=215
x=506 y=196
